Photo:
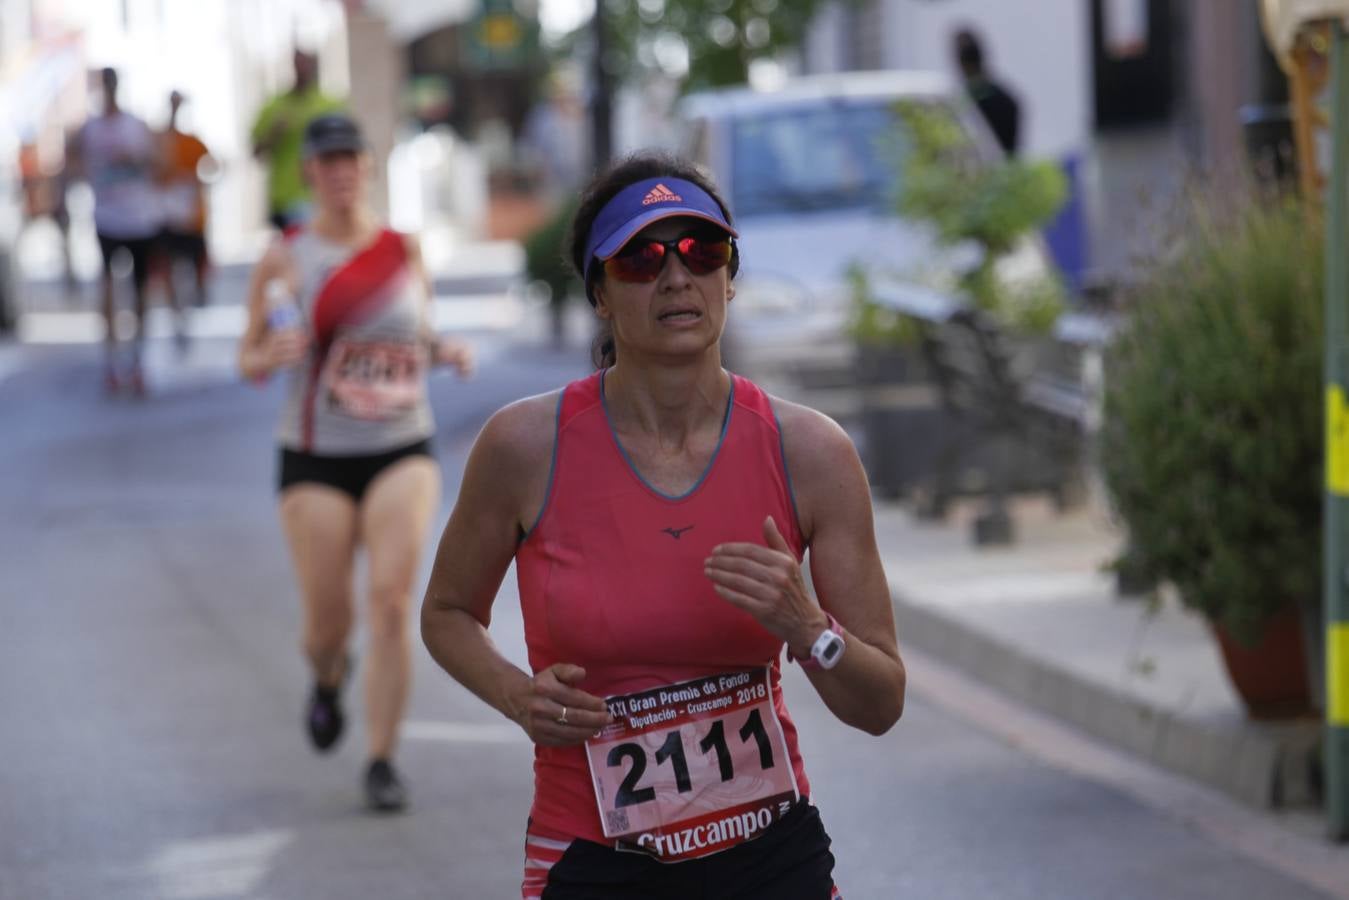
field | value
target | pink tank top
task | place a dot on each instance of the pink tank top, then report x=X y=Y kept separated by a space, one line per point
x=611 y=576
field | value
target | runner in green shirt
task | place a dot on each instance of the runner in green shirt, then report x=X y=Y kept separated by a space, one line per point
x=277 y=135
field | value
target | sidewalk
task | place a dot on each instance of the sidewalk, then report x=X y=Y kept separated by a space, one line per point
x=1041 y=621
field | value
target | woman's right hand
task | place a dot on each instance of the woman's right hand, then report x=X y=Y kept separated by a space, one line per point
x=555 y=714
x=284 y=348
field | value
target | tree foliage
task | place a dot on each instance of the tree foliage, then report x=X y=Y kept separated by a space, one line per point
x=968 y=200
x=713 y=40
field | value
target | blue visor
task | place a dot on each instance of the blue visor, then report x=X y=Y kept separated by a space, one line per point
x=640 y=204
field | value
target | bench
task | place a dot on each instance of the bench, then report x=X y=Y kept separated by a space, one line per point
x=992 y=415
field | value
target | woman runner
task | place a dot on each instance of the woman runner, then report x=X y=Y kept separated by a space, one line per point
x=342 y=305
x=658 y=513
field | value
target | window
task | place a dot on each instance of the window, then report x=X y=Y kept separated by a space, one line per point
x=832 y=156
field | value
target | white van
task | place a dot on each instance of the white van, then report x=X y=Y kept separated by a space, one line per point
x=811 y=171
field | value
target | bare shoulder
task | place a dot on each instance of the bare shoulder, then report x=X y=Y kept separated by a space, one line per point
x=275 y=263
x=412 y=245
x=813 y=442
x=828 y=481
x=518 y=438
x=277 y=258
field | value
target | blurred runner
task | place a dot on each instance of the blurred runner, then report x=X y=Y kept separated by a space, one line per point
x=343 y=305
x=43 y=181
x=116 y=153
x=278 y=134
x=183 y=159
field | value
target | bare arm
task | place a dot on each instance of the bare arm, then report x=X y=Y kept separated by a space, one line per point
x=866 y=688
x=445 y=350
x=503 y=489
x=263 y=350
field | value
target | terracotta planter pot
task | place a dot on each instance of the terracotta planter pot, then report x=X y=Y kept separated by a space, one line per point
x=1271 y=676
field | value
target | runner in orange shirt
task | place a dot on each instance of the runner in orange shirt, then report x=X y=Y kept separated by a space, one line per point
x=184 y=160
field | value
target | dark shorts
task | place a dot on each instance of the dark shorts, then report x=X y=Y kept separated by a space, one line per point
x=791 y=861
x=138 y=249
x=350 y=474
x=182 y=245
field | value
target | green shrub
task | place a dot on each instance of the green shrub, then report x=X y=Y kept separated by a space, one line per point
x=968 y=201
x=546 y=258
x=872 y=323
x=1212 y=443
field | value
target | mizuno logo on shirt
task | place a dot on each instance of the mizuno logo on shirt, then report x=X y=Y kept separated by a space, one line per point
x=676 y=532
x=660 y=194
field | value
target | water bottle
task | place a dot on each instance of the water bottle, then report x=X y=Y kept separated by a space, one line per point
x=282 y=310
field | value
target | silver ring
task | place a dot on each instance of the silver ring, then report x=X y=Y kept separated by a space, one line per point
x=562 y=719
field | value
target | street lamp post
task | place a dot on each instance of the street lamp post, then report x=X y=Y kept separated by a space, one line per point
x=1337 y=448
x=1296 y=27
x=601 y=93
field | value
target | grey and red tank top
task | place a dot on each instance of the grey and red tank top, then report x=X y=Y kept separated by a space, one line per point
x=611 y=579
x=362 y=388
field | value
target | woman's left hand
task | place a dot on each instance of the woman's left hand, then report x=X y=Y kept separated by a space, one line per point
x=448 y=351
x=766 y=582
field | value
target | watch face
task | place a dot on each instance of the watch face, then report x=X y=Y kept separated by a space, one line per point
x=828 y=649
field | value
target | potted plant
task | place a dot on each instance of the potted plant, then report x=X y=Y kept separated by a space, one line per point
x=546 y=264
x=1211 y=447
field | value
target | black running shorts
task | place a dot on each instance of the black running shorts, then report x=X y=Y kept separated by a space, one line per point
x=138 y=249
x=790 y=861
x=182 y=245
x=350 y=474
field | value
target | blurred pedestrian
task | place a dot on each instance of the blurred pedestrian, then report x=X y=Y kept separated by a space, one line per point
x=183 y=160
x=43 y=182
x=998 y=106
x=34 y=182
x=342 y=304
x=658 y=541
x=117 y=154
x=554 y=142
x=278 y=133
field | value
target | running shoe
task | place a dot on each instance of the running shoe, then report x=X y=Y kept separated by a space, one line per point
x=324 y=716
x=384 y=792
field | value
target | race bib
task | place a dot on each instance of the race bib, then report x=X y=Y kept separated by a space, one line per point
x=375 y=379
x=693 y=768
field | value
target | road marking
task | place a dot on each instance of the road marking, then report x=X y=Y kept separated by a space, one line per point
x=216 y=868
x=464 y=732
x=461 y=312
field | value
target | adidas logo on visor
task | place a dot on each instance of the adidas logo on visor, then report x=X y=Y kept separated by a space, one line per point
x=660 y=194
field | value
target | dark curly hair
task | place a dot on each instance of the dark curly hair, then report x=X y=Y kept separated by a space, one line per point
x=603 y=188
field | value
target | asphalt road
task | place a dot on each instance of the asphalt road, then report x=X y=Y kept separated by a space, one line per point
x=151 y=693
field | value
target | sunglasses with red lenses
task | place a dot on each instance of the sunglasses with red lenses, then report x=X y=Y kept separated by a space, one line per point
x=642 y=259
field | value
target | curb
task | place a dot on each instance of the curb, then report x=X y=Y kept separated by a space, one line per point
x=1263 y=765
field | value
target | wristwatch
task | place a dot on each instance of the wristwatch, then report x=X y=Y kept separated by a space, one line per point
x=827 y=649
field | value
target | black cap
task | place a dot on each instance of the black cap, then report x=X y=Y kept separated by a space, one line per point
x=332 y=133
